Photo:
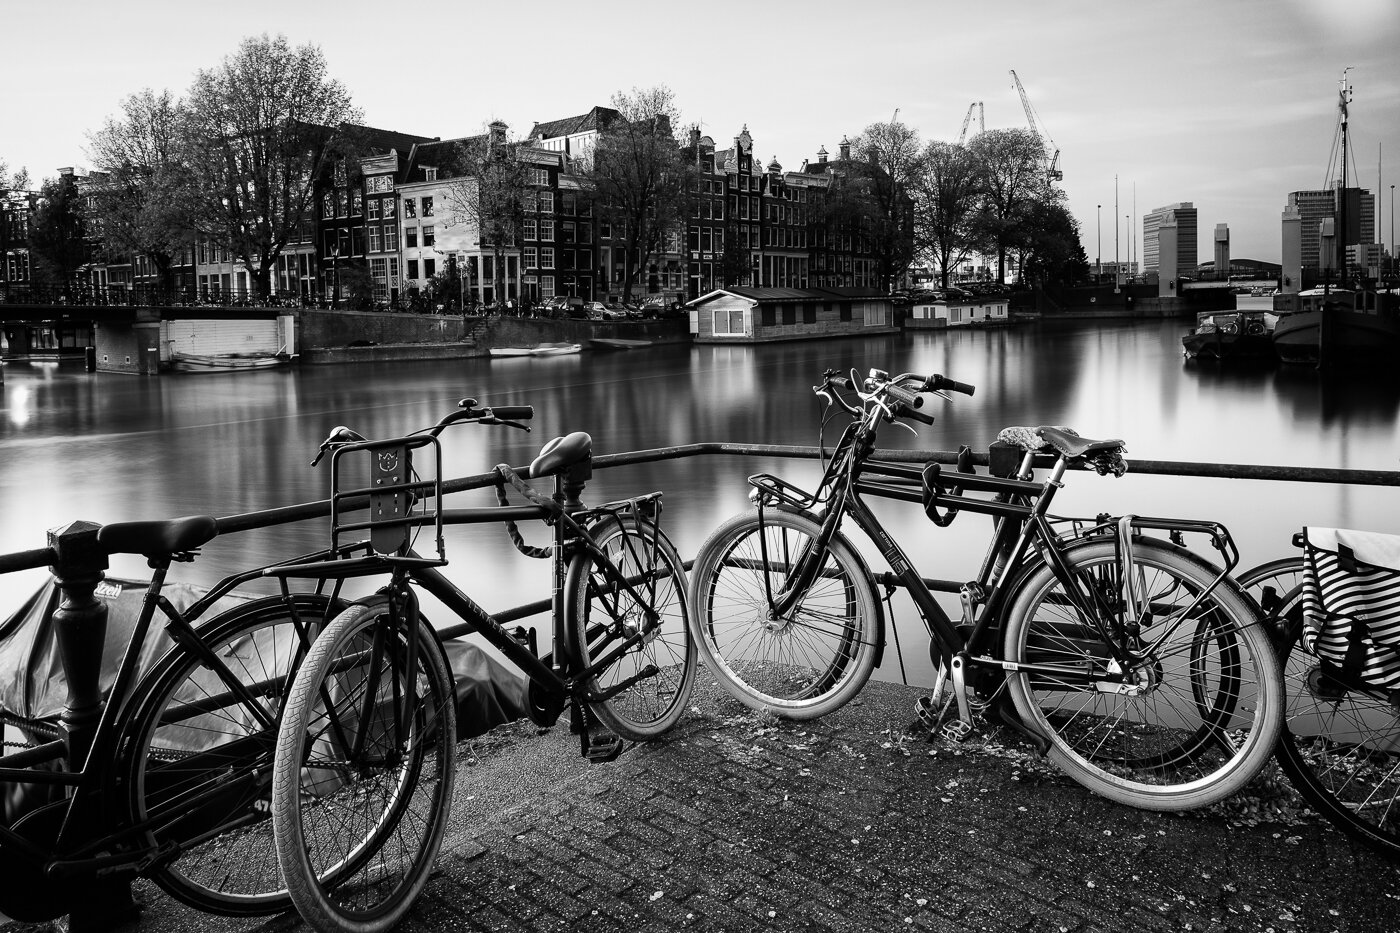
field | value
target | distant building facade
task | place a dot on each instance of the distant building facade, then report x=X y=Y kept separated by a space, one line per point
x=1184 y=216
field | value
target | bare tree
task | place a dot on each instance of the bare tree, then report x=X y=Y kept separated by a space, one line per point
x=1014 y=172
x=142 y=206
x=257 y=130
x=892 y=156
x=640 y=182
x=946 y=194
x=490 y=189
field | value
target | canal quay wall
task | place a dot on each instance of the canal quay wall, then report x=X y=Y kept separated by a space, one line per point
x=360 y=336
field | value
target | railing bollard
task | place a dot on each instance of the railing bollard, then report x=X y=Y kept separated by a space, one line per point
x=80 y=631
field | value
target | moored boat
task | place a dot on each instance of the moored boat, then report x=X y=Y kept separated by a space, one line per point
x=1231 y=335
x=617 y=343
x=233 y=362
x=541 y=349
x=1339 y=325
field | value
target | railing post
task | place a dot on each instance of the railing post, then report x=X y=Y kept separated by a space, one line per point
x=80 y=631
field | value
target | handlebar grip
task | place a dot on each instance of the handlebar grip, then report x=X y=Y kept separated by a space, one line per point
x=513 y=412
x=909 y=402
x=937 y=382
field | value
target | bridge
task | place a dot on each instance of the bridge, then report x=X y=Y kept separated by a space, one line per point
x=116 y=328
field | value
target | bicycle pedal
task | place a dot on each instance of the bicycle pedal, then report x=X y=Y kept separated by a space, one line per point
x=955 y=730
x=926 y=712
x=603 y=747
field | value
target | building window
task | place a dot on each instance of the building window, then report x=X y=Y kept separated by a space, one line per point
x=585 y=234
x=355 y=202
x=546 y=229
x=379 y=271
x=429 y=268
x=389 y=208
x=538 y=176
x=770 y=316
x=410 y=237
x=809 y=314
x=546 y=286
x=876 y=315
x=410 y=207
x=530 y=232
x=328 y=205
x=729 y=322
x=531 y=258
x=374 y=240
x=372 y=208
x=546 y=202
x=429 y=173
x=566 y=231
x=567 y=202
x=391 y=239
x=789 y=314
x=427 y=207
x=412 y=265
x=547 y=257
x=429 y=236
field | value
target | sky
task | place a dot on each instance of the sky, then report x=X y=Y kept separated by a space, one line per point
x=1228 y=104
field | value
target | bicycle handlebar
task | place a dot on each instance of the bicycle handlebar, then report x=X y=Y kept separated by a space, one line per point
x=936 y=383
x=905 y=390
x=468 y=409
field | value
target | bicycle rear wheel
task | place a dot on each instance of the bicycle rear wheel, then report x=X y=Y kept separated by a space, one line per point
x=1194 y=718
x=364 y=769
x=198 y=755
x=1340 y=742
x=811 y=659
x=603 y=615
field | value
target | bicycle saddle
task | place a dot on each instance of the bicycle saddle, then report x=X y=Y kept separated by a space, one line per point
x=163 y=537
x=561 y=453
x=1071 y=444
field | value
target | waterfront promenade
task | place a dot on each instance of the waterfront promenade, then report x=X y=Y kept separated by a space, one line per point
x=738 y=822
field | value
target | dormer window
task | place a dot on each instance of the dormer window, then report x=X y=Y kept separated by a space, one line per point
x=429 y=173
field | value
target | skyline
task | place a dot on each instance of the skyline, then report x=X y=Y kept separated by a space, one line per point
x=1229 y=106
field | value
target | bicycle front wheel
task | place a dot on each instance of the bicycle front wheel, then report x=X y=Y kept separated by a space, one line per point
x=364 y=769
x=1195 y=715
x=801 y=663
x=652 y=669
x=197 y=755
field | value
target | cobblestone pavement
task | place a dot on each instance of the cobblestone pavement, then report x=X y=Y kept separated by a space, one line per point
x=740 y=822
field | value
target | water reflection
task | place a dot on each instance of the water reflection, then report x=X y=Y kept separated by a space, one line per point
x=113 y=448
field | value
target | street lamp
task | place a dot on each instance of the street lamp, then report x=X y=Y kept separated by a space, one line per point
x=1098 y=248
x=1392 y=228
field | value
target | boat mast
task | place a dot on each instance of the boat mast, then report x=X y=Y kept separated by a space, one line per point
x=1340 y=242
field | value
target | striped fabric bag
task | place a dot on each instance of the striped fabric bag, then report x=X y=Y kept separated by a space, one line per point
x=1351 y=603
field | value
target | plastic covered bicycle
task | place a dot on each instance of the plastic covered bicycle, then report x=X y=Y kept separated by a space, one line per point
x=370 y=716
x=1140 y=667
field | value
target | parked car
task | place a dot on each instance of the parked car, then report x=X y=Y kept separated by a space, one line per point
x=659 y=306
x=597 y=311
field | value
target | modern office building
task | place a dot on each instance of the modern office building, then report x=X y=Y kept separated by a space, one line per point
x=1314 y=207
x=1184 y=215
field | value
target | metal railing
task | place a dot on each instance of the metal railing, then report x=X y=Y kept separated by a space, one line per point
x=266 y=518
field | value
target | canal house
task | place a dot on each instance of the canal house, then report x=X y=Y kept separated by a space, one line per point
x=958 y=311
x=740 y=314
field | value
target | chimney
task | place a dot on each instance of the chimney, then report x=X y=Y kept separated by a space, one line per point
x=821 y=154
x=845 y=149
x=498 y=133
x=774 y=168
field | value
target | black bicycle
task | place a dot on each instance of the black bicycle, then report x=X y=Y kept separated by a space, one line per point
x=1340 y=740
x=366 y=746
x=176 y=782
x=1141 y=668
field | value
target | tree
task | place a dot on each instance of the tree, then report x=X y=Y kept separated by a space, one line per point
x=640 y=182
x=1052 y=253
x=257 y=130
x=491 y=190
x=892 y=157
x=142 y=207
x=1013 y=167
x=945 y=193
x=19 y=181
x=57 y=234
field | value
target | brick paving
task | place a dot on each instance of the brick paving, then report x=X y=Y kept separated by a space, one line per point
x=739 y=822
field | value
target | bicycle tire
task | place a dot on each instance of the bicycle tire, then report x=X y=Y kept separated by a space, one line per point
x=602 y=614
x=1210 y=702
x=1340 y=742
x=1282 y=576
x=213 y=800
x=800 y=667
x=359 y=808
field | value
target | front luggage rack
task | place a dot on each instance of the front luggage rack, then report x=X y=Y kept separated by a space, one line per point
x=397 y=497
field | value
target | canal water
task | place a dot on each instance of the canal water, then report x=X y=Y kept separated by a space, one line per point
x=111 y=448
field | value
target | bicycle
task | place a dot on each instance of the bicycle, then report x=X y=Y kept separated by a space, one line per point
x=1340 y=741
x=175 y=782
x=368 y=715
x=1139 y=667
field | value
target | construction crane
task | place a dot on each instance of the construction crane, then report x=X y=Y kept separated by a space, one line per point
x=981 y=120
x=1051 y=150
